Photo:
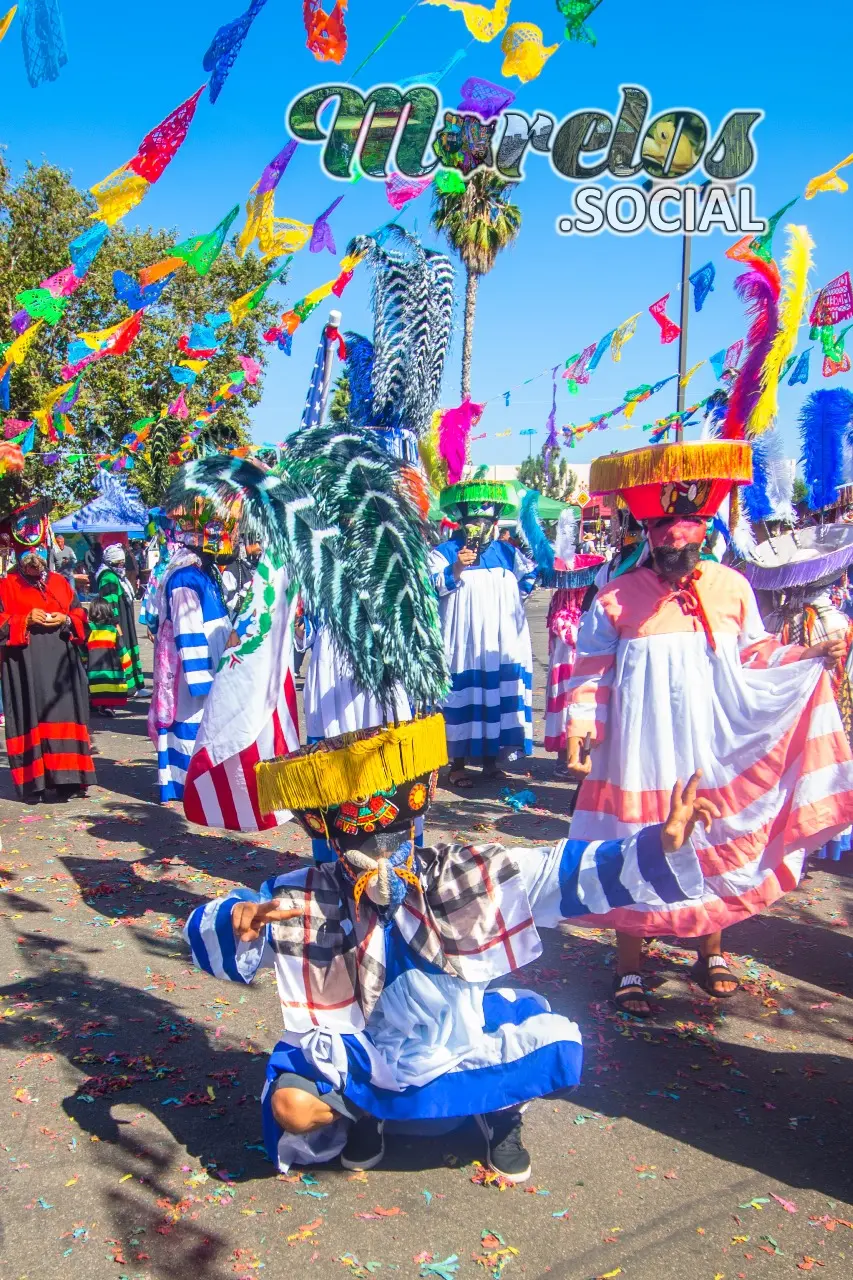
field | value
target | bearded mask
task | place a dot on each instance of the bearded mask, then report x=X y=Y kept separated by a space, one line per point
x=676 y=545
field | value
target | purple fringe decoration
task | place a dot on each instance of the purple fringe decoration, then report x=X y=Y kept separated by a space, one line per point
x=569 y=579
x=800 y=573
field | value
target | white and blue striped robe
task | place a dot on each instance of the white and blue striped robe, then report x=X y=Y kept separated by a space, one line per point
x=437 y=1048
x=201 y=627
x=489 y=709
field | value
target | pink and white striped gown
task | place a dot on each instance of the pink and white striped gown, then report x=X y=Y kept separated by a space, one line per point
x=664 y=691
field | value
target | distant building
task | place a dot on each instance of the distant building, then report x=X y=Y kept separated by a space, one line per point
x=595 y=509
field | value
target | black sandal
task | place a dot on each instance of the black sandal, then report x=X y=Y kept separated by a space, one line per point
x=461 y=779
x=709 y=970
x=629 y=986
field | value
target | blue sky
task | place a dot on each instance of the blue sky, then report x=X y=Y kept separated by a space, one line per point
x=549 y=296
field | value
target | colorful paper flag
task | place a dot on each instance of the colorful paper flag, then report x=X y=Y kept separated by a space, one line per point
x=669 y=330
x=801 y=372
x=400 y=190
x=125 y=187
x=326 y=33
x=225 y=48
x=525 y=52
x=834 y=303
x=483 y=24
x=762 y=246
x=830 y=180
x=6 y=20
x=703 y=284
x=603 y=345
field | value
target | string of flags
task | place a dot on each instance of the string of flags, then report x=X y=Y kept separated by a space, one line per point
x=115 y=196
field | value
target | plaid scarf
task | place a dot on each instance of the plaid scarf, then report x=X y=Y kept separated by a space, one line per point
x=466 y=915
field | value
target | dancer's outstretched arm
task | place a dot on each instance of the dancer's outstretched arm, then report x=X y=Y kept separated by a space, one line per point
x=655 y=868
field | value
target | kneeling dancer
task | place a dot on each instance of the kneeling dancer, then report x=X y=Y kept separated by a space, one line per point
x=383 y=958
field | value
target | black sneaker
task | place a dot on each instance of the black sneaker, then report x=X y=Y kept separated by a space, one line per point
x=365 y=1145
x=506 y=1153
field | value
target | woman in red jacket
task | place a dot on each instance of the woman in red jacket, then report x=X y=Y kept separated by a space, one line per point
x=45 y=694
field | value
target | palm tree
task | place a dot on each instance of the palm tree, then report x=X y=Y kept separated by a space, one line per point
x=477 y=223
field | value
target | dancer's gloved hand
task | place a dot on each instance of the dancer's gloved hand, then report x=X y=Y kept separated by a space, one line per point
x=685 y=812
x=831 y=651
x=249 y=918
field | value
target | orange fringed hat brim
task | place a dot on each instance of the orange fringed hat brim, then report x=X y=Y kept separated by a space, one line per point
x=674 y=479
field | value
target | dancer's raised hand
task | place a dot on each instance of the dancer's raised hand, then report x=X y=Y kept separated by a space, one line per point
x=685 y=812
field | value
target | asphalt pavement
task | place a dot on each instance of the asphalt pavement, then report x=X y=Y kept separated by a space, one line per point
x=712 y=1143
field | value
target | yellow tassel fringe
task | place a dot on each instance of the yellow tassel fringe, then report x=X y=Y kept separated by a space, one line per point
x=665 y=463
x=360 y=767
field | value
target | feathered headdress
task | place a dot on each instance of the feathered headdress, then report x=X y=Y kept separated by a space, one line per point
x=566 y=541
x=715 y=415
x=341 y=520
x=533 y=533
x=413 y=314
x=433 y=463
x=825 y=419
x=795 y=266
x=759 y=289
x=359 y=368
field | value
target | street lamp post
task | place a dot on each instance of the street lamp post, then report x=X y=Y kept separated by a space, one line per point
x=682 y=339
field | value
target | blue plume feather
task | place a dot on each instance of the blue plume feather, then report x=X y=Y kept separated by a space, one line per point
x=755 y=495
x=533 y=533
x=824 y=422
x=359 y=366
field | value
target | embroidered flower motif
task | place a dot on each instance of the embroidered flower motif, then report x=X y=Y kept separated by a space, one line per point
x=417 y=797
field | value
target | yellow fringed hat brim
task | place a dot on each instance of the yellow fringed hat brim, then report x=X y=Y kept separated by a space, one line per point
x=669 y=463
x=361 y=765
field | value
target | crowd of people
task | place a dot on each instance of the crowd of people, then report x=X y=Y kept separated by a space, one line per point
x=698 y=699
x=711 y=743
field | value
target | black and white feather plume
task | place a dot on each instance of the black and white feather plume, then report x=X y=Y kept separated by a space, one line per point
x=413 y=314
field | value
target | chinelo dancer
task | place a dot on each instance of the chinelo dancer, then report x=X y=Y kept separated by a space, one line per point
x=383 y=958
x=571 y=577
x=796 y=573
x=676 y=673
x=193 y=627
x=394 y=379
x=481 y=586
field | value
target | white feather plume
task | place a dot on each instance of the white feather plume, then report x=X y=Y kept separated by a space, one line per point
x=566 y=540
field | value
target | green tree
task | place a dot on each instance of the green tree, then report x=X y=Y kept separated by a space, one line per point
x=560 y=484
x=339 y=407
x=40 y=212
x=478 y=224
x=800 y=493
